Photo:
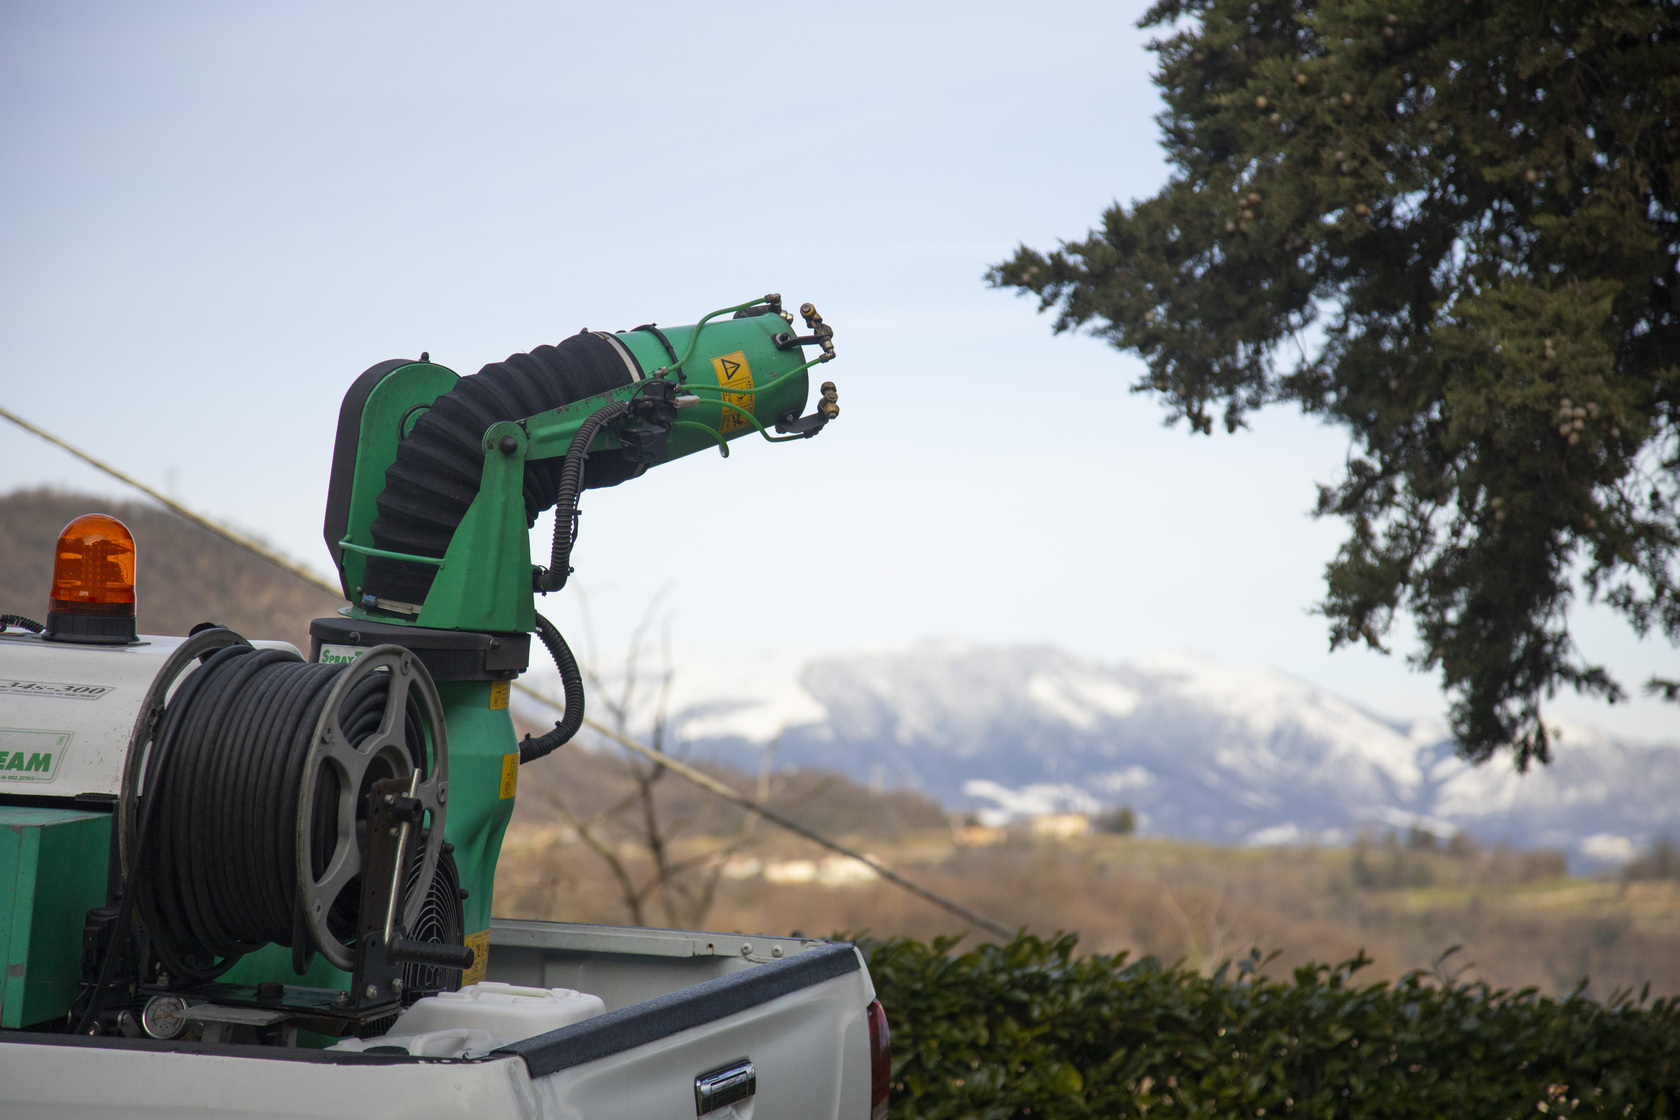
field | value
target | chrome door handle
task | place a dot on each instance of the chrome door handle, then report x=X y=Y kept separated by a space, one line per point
x=724 y=1086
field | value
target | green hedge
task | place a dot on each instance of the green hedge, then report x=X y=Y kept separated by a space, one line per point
x=1028 y=1029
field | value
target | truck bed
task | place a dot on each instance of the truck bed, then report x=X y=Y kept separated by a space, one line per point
x=679 y=1004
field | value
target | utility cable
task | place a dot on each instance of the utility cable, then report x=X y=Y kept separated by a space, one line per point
x=566 y=499
x=178 y=509
x=680 y=769
x=712 y=785
x=571 y=712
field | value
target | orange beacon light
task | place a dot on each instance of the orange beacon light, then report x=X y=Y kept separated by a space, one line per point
x=92 y=597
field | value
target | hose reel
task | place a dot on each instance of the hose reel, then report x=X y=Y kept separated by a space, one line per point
x=266 y=799
x=335 y=765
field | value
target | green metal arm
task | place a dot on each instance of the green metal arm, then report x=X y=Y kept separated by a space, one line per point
x=484 y=579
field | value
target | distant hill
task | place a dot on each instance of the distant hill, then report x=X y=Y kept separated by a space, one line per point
x=183 y=575
x=1199 y=749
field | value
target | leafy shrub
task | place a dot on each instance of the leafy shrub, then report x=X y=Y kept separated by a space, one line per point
x=1027 y=1029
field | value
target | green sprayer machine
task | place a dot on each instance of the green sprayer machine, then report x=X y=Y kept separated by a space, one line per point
x=213 y=847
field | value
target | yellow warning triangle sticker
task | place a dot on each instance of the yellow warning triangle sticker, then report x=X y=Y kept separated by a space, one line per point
x=733 y=372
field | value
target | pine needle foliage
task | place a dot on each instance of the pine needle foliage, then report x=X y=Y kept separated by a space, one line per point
x=1451 y=229
x=1029 y=1030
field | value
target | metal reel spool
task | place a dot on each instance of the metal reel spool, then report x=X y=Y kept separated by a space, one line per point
x=350 y=764
x=186 y=657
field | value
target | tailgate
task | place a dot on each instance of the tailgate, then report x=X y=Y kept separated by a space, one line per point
x=793 y=1030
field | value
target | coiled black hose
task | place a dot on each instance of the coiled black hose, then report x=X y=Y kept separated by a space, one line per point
x=571 y=680
x=214 y=871
x=21 y=623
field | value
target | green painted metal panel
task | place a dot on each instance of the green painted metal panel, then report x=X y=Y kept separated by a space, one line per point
x=274 y=962
x=53 y=867
x=485 y=581
x=723 y=344
x=391 y=409
x=481 y=786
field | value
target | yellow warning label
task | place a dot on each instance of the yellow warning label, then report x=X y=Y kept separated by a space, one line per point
x=733 y=372
x=499 y=694
x=510 y=774
x=479 y=943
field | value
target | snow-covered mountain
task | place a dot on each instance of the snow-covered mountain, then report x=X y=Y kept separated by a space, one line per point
x=1198 y=749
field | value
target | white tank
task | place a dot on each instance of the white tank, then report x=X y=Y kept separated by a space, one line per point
x=67 y=711
x=505 y=1011
x=453 y=1042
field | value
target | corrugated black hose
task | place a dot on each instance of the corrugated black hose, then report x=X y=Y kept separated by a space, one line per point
x=21 y=623
x=438 y=467
x=572 y=681
x=566 y=497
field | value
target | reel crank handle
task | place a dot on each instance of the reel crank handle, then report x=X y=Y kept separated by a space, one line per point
x=403 y=951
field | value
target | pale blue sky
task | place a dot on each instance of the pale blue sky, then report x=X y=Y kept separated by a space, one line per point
x=213 y=216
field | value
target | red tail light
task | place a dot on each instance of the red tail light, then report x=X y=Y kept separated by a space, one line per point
x=880 y=1060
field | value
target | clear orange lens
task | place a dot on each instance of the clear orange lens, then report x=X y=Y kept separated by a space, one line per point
x=93 y=568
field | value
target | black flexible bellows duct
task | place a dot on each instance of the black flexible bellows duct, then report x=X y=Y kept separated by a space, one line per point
x=436 y=472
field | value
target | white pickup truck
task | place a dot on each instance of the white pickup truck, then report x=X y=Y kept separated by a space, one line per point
x=696 y=1024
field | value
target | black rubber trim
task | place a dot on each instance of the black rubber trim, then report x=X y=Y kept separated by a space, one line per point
x=219 y=1049
x=80 y=802
x=343 y=475
x=662 y=1016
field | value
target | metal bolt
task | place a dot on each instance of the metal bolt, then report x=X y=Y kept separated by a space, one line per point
x=397 y=985
x=343 y=998
x=746 y=949
x=372 y=991
x=775 y=950
x=508 y=445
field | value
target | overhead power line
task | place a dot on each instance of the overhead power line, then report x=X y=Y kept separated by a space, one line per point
x=707 y=782
x=230 y=535
x=679 y=768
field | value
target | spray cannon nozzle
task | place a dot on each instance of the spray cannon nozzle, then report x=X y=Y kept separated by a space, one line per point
x=821 y=336
x=828 y=407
